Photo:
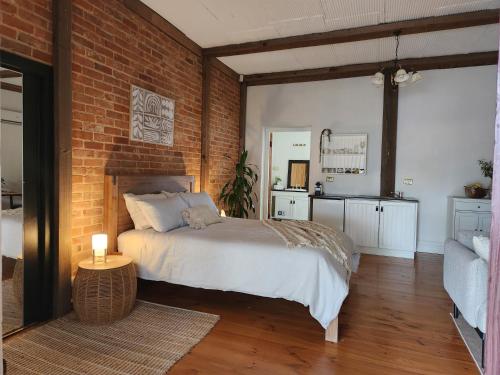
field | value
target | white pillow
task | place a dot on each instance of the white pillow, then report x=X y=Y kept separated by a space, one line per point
x=200 y=216
x=199 y=199
x=482 y=247
x=164 y=214
x=140 y=222
x=170 y=194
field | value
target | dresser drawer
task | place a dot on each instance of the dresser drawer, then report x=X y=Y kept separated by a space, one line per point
x=473 y=206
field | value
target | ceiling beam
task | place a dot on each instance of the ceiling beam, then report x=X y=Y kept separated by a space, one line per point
x=384 y=30
x=10 y=87
x=367 y=69
x=6 y=73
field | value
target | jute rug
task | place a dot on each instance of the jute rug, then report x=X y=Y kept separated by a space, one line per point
x=12 y=314
x=149 y=341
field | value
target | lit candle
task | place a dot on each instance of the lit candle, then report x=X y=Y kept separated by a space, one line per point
x=222 y=213
x=99 y=247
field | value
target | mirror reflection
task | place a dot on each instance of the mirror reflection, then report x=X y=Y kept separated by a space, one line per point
x=11 y=235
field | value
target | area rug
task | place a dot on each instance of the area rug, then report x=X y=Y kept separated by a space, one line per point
x=471 y=340
x=149 y=341
x=11 y=310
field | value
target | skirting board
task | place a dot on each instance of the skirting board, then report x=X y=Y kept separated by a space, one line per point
x=433 y=247
x=388 y=252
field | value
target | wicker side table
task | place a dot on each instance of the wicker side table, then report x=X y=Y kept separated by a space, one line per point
x=104 y=293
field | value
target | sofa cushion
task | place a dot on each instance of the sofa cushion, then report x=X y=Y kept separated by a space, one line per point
x=482 y=247
x=465 y=237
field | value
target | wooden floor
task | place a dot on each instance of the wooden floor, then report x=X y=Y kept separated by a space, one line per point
x=395 y=321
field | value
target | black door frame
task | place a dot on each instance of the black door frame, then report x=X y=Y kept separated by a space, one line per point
x=38 y=184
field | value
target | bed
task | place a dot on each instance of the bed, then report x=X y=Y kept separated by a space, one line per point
x=12 y=233
x=235 y=255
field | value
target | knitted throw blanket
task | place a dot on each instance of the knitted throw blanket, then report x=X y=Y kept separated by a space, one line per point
x=298 y=233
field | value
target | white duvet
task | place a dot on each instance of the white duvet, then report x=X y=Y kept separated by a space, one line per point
x=243 y=256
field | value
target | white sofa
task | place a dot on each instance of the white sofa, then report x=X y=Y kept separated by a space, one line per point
x=465 y=277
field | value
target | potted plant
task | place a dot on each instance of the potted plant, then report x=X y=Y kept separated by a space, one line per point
x=277 y=183
x=476 y=190
x=237 y=195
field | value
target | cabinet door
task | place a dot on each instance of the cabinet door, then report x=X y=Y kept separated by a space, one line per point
x=283 y=208
x=466 y=221
x=361 y=221
x=301 y=208
x=485 y=223
x=398 y=226
x=329 y=212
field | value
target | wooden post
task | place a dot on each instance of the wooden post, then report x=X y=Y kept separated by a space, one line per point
x=62 y=156
x=389 y=136
x=205 y=120
x=243 y=114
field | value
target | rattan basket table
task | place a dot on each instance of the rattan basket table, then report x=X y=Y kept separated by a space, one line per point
x=104 y=293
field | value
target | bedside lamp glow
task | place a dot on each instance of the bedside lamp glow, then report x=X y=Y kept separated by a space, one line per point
x=99 y=247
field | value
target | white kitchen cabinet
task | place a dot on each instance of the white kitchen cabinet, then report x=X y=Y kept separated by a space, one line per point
x=362 y=221
x=465 y=214
x=329 y=212
x=398 y=226
x=387 y=227
x=290 y=205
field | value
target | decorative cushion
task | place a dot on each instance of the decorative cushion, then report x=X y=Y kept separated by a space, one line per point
x=465 y=237
x=482 y=247
x=200 y=216
x=170 y=194
x=199 y=199
x=140 y=222
x=163 y=214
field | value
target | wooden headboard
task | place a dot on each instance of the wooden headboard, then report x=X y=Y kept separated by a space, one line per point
x=116 y=216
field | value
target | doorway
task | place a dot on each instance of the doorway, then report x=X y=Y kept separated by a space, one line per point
x=286 y=173
x=26 y=168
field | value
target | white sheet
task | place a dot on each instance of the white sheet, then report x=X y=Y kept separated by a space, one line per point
x=243 y=256
x=11 y=244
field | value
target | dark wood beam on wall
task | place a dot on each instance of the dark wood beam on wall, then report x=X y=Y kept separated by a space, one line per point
x=389 y=136
x=161 y=23
x=422 y=25
x=360 y=70
x=6 y=73
x=243 y=114
x=62 y=156
x=205 y=120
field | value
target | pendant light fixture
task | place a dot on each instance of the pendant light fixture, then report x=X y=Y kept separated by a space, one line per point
x=399 y=76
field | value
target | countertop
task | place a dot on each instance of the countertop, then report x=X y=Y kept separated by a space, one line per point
x=349 y=196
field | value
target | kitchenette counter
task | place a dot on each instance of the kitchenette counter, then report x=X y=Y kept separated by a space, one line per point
x=371 y=197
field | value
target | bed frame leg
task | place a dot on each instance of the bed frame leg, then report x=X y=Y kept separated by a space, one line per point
x=332 y=332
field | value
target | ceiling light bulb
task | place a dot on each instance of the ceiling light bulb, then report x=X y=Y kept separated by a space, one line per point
x=416 y=76
x=401 y=76
x=378 y=79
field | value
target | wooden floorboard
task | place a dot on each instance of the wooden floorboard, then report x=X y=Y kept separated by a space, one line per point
x=395 y=321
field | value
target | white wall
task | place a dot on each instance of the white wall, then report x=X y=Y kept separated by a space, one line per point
x=11 y=144
x=284 y=150
x=345 y=105
x=445 y=124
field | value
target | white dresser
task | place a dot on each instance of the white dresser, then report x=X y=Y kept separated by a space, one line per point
x=290 y=205
x=466 y=214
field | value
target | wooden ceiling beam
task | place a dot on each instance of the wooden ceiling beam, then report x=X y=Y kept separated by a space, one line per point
x=384 y=30
x=360 y=70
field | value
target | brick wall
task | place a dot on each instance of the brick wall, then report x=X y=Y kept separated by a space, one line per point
x=112 y=49
x=223 y=130
x=26 y=28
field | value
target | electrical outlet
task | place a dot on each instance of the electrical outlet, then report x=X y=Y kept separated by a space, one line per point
x=329 y=178
x=407 y=181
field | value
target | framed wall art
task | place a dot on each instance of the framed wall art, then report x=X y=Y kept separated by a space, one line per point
x=151 y=117
x=344 y=153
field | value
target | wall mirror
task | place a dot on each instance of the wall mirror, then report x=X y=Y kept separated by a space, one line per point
x=298 y=174
x=344 y=154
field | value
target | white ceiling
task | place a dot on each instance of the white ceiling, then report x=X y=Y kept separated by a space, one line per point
x=220 y=22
